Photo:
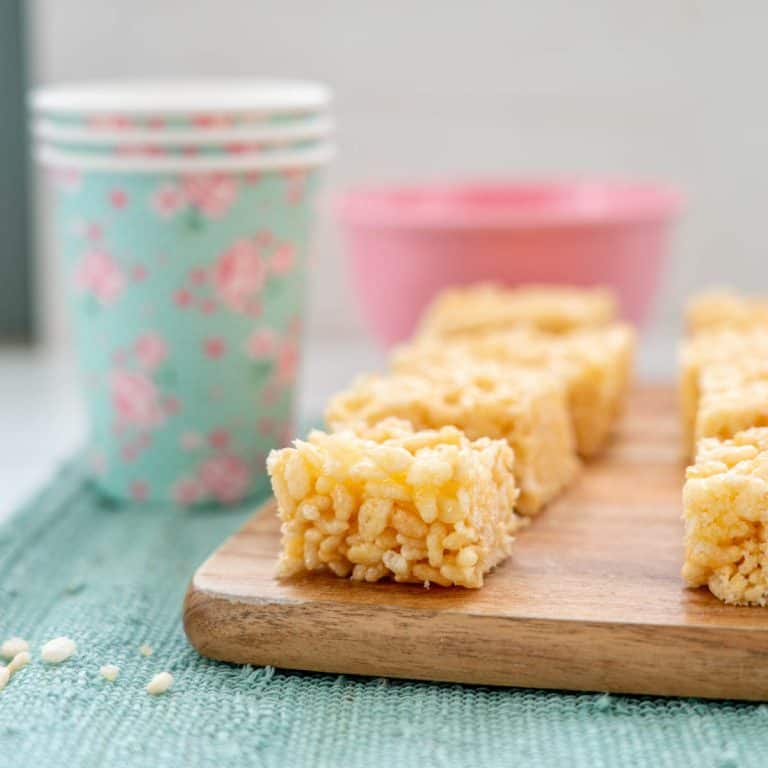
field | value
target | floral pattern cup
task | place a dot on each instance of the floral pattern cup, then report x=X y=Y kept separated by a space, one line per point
x=187 y=291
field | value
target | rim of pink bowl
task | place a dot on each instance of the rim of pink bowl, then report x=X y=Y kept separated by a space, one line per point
x=513 y=204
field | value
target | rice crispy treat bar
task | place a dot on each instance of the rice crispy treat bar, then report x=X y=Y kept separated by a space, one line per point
x=703 y=351
x=593 y=365
x=487 y=307
x=527 y=409
x=429 y=506
x=722 y=310
x=725 y=501
x=733 y=397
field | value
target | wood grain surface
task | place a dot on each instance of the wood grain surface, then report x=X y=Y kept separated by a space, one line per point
x=591 y=598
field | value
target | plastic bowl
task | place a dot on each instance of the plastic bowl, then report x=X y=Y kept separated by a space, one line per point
x=405 y=244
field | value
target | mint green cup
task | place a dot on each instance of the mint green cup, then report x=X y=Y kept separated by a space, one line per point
x=186 y=280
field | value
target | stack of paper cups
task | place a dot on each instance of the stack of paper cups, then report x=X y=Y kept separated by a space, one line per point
x=183 y=215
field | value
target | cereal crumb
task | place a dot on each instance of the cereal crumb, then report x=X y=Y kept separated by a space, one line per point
x=160 y=683
x=110 y=672
x=19 y=661
x=5 y=676
x=13 y=646
x=145 y=650
x=57 y=650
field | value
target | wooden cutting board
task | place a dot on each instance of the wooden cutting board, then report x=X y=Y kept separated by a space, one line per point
x=591 y=598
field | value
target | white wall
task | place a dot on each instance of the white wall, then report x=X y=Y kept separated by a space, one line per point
x=668 y=89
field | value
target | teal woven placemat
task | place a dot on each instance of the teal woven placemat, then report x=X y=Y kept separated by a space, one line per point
x=114 y=577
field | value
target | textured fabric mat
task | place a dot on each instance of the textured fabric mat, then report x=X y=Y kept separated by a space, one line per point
x=114 y=577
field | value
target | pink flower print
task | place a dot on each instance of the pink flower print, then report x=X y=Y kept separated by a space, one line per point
x=252 y=177
x=265 y=426
x=211 y=121
x=93 y=232
x=100 y=275
x=213 y=194
x=67 y=178
x=199 y=275
x=219 y=439
x=97 y=463
x=139 y=490
x=283 y=259
x=135 y=399
x=167 y=200
x=190 y=441
x=139 y=273
x=182 y=298
x=239 y=275
x=109 y=122
x=171 y=405
x=207 y=306
x=294 y=326
x=295 y=183
x=287 y=362
x=225 y=478
x=188 y=490
x=118 y=198
x=261 y=344
x=264 y=238
x=150 y=350
x=129 y=452
x=214 y=348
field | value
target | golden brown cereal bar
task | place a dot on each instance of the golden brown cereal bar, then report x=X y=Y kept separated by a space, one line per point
x=703 y=351
x=593 y=365
x=723 y=310
x=725 y=501
x=527 y=409
x=484 y=308
x=429 y=506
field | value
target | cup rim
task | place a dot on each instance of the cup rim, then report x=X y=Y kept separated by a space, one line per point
x=179 y=96
x=513 y=204
x=316 y=128
x=51 y=156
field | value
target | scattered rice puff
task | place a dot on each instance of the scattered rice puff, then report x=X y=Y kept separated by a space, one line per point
x=725 y=500
x=528 y=410
x=13 y=646
x=725 y=310
x=145 y=649
x=109 y=672
x=487 y=307
x=160 y=683
x=57 y=650
x=593 y=365
x=19 y=661
x=427 y=506
x=5 y=676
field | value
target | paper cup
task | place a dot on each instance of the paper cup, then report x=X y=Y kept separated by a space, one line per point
x=186 y=280
x=186 y=142
x=160 y=105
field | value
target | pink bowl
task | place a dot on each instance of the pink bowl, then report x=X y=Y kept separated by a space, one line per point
x=405 y=244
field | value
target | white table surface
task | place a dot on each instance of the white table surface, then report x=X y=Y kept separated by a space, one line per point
x=42 y=420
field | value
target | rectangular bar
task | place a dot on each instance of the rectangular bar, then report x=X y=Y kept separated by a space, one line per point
x=594 y=366
x=527 y=409
x=733 y=397
x=703 y=351
x=724 y=310
x=725 y=501
x=429 y=506
x=488 y=307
